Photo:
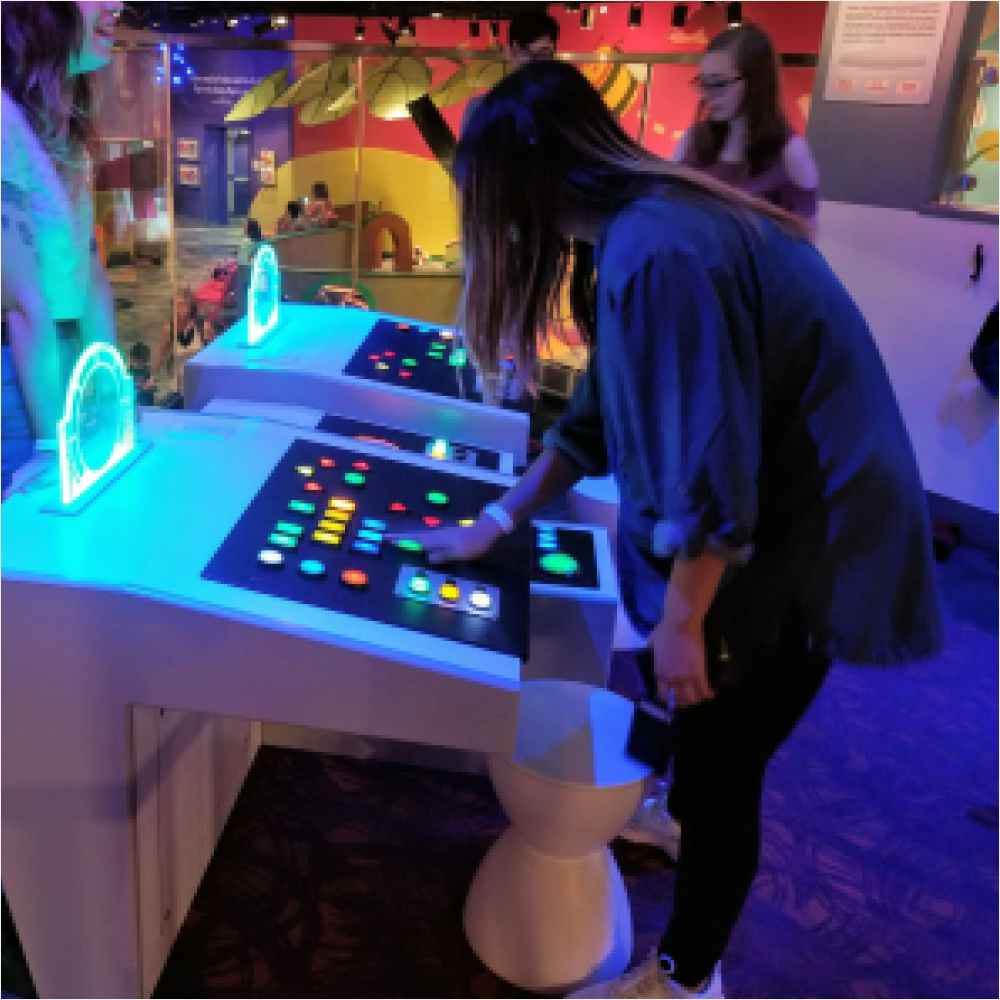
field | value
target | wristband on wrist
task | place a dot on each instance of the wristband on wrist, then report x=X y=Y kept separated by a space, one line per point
x=496 y=513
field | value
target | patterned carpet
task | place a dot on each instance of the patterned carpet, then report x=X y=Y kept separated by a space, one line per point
x=344 y=878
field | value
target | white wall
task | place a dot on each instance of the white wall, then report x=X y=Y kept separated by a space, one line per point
x=909 y=273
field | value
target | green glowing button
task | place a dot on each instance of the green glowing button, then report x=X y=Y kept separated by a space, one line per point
x=437 y=346
x=420 y=583
x=458 y=358
x=285 y=541
x=559 y=564
x=287 y=528
x=437 y=499
x=354 y=478
x=302 y=506
x=409 y=545
x=409 y=362
x=312 y=567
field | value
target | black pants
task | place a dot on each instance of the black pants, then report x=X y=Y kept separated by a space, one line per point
x=722 y=750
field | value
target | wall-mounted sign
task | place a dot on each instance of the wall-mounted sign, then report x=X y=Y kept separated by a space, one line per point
x=885 y=53
x=189 y=174
x=187 y=149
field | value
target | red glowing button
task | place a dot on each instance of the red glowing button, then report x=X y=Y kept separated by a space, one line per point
x=431 y=521
x=326 y=462
x=402 y=326
x=374 y=357
x=397 y=508
x=356 y=578
x=312 y=486
x=404 y=373
x=361 y=466
x=390 y=354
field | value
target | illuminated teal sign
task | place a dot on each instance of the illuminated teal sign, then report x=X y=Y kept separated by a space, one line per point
x=97 y=429
x=264 y=296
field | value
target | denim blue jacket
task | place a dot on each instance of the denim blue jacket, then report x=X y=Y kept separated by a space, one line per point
x=737 y=395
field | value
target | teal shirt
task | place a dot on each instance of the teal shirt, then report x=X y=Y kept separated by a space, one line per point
x=737 y=395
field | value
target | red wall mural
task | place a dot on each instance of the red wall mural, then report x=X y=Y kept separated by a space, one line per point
x=793 y=26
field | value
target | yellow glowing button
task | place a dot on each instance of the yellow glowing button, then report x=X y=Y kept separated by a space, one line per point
x=335 y=526
x=439 y=449
x=480 y=600
x=341 y=503
x=326 y=537
x=382 y=366
x=304 y=470
x=341 y=516
x=449 y=591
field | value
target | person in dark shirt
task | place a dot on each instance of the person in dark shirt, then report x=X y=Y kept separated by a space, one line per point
x=771 y=509
x=741 y=135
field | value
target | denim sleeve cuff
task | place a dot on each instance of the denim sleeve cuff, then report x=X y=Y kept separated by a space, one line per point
x=592 y=465
x=670 y=539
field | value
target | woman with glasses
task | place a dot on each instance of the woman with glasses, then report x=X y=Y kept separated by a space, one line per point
x=769 y=493
x=741 y=135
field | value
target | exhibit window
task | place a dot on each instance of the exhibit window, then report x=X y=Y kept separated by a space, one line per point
x=971 y=178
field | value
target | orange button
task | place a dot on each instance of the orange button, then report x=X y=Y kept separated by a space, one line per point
x=361 y=466
x=326 y=462
x=356 y=578
x=312 y=486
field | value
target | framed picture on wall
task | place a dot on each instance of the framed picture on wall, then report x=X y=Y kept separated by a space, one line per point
x=189 y=174
x=266 y=167
x=187 y=149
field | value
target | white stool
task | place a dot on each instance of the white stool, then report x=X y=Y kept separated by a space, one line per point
x=594 y=500
x=547 y=909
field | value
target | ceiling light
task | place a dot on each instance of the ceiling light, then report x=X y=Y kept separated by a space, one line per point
x=279 y=21
x=359 y=31
x=734 y=14
x=405 y=25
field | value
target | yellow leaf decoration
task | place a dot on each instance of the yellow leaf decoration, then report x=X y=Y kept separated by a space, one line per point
x=324 y=77
x=483 y=74
x=329 y=106
x=393 y=84
x=259 y=97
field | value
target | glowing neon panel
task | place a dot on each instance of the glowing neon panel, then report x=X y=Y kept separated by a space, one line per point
x=97 y=429
x=264 y=297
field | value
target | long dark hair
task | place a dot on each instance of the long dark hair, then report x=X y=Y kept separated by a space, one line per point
x=767 y=128
x=37 y=42
x=540 y=141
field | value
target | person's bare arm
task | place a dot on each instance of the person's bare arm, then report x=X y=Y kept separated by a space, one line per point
x=98 y=320
x=32 y=332
x=678 y=641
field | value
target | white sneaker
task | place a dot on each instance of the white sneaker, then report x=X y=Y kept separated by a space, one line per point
x=653 y=824
x=651 y=979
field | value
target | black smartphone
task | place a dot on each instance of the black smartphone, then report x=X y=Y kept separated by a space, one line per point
x=651 y=736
